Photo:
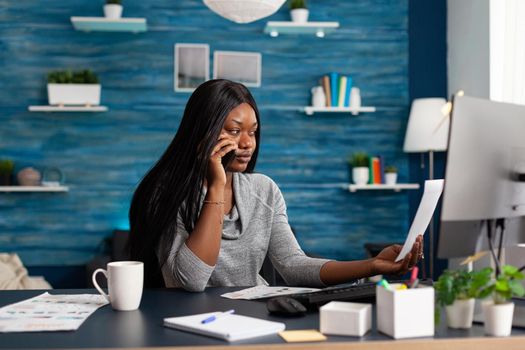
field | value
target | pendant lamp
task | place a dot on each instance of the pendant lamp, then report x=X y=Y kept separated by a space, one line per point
x=244 y=11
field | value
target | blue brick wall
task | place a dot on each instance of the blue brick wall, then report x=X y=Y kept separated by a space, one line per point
x=104 y=155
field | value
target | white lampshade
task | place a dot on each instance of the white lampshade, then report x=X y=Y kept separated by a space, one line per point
x=244 y=11
x=427 y=128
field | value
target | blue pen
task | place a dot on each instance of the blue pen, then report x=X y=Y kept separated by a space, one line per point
x=217 y=316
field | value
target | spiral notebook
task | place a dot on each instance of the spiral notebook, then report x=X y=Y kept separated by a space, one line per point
x=231 y=327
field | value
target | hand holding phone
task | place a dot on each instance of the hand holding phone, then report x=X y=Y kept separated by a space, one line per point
x=227 y=159
x=220 y=159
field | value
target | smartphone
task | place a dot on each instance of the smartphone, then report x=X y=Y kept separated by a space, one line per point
x=227 y=159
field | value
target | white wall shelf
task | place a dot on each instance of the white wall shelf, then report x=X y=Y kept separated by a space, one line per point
x=320 y=29
x=34 y=189
x=67 y=108
x=396 y=187
x=102 y=24
x=354 y=111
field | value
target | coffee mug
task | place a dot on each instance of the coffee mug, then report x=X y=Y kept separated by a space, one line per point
x=125 y=279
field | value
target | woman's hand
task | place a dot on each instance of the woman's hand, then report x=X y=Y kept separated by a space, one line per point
x=216 y=172
x=384 y=262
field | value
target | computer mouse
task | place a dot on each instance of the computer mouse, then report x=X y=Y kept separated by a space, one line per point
x=285 y=306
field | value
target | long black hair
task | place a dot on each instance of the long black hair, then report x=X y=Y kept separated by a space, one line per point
x=175 y=183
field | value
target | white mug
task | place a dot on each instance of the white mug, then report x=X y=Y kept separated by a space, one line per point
x=125 y=280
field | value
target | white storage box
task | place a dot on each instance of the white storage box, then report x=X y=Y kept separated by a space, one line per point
x=343 y=318
x=405 y=313
x=73 y=94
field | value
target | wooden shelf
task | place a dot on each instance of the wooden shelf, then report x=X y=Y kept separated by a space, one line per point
x=34 y=189
x=67 y=109
x=396 y=187
x=354 y=111
x=103 y=24
x=320 y=29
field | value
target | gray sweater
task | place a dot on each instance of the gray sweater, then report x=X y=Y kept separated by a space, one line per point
x=256 y=226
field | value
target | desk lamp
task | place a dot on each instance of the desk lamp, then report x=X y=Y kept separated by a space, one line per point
x=427 y=131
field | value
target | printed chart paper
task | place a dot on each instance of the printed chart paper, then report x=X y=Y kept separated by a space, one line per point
x=260 y=292
x=433 y=189
x=49 y=312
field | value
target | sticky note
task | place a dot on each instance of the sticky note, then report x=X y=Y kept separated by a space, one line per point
x=302 y=335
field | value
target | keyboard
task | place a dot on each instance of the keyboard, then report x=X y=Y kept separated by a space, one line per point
x=362 y=292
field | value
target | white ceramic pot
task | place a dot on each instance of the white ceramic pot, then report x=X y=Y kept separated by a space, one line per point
x=390 y=178
x=498 y=318
x=355 y=98
x=360 y=175
x=318 y=97
x=113 y=11
x=73 y=94
x=460 y=313
x=299 y=15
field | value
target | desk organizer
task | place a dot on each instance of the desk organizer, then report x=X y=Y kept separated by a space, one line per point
x=405 y=313
x=343 y=318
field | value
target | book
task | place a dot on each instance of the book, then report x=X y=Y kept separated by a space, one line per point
x=382 y=168
x=376 y=170
x=230 y=327
x=347 y=92
x=342 y=90
x=334 y=84
x=325 y=82
x=370 y=170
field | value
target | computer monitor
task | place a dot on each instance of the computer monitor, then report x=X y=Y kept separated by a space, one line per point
x=484 y=176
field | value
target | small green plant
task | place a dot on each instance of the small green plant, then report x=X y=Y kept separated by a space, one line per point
x=506 y=285
x=455 y=285
x=6 y=166
x=114 y=2
x=72 y=77
x=359 y=159
x=390 y=169
x=297 y=4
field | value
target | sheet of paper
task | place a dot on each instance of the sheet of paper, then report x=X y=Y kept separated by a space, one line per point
x=259 y=292
x=49 y=312
x=302 y=335
x=433 y=190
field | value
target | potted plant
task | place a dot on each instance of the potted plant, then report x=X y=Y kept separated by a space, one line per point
x=298 y=11
x=113 y=9
x=390 y=175
x=73 y=88
x=359 y=163
x=456 y=290
x=498 y=312
x=6 y=170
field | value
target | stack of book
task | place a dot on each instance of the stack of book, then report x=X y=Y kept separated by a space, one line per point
x=337 y=89
x=376 y=170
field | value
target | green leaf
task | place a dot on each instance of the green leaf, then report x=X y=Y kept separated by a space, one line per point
x=509 y=270
x=502 y=285
x=485 y=292
x=516 y=288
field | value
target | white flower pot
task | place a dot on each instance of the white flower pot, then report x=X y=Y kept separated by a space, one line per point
x=73 y=94
x=460 y=313
x=390 y=178
x=360 y=175
x=113 y=11
x=299 y=15
x=498 y=318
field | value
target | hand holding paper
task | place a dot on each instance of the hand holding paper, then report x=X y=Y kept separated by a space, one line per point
x=433 y=189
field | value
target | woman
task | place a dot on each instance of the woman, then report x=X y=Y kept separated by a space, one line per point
x=208 y=224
